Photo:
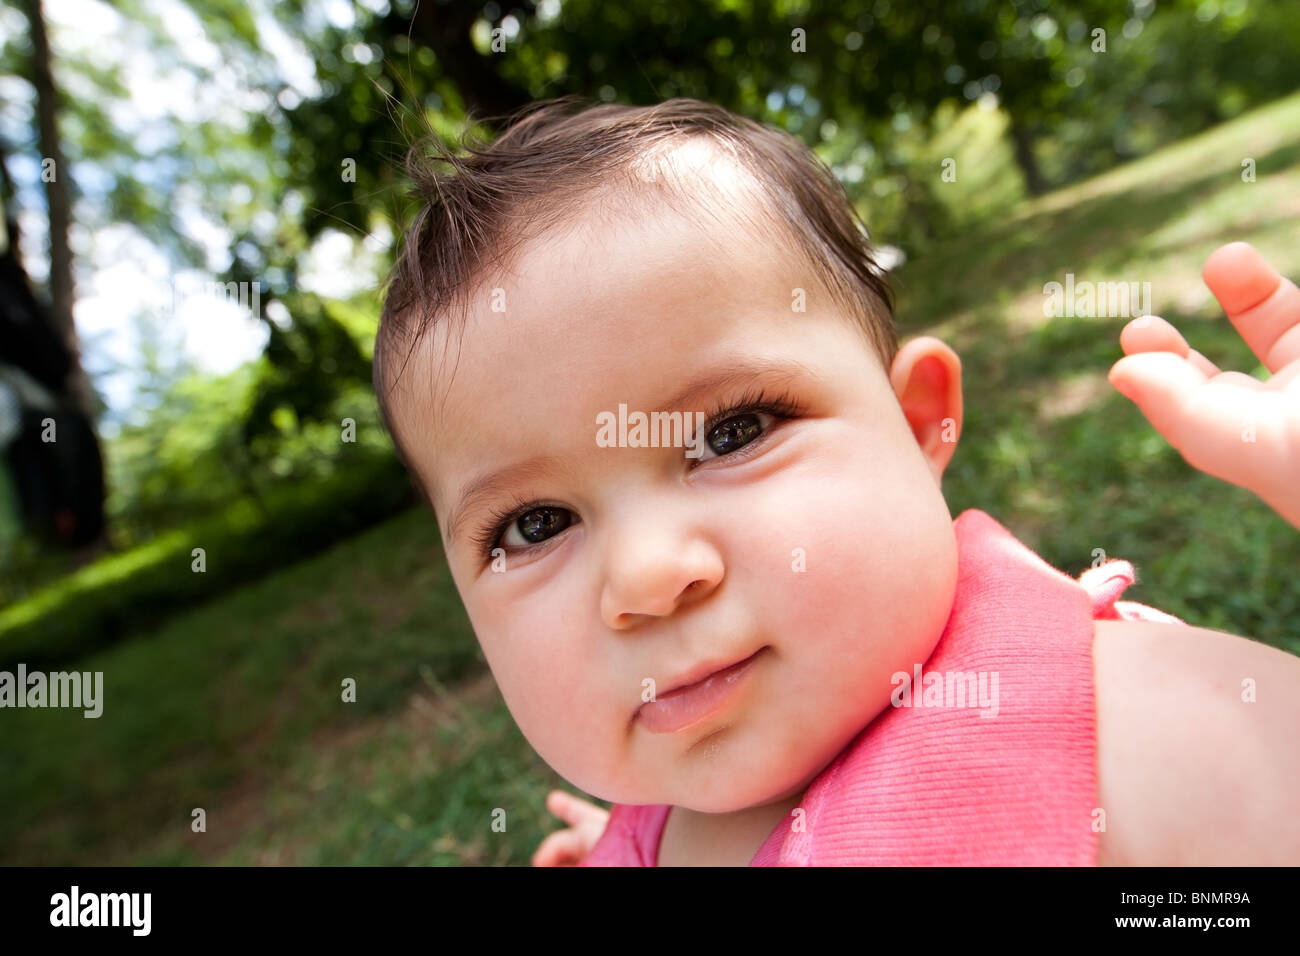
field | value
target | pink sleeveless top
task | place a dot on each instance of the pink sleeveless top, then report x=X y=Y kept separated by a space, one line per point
x=936 y=785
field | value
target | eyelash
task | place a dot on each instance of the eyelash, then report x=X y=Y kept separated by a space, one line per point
x=780 y=405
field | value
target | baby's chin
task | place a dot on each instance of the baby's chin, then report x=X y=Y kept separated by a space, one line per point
x=744 y=792
x=724 y=790
x=734 y=800
x=732 y=779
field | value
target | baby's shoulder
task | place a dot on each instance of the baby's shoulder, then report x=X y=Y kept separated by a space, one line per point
x=1194 y=760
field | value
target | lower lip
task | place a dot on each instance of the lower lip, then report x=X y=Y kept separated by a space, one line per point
x=679 y=709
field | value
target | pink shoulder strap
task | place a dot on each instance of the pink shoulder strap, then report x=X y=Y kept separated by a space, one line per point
x=631 y=836
x=960 y=785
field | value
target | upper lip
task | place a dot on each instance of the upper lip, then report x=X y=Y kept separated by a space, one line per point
x=697 y=674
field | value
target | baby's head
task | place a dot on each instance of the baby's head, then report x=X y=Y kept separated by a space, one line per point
x=674 y=258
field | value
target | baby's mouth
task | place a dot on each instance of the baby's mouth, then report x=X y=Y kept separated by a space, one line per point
x=695 y=699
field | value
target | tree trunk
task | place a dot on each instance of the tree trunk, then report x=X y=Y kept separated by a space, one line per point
x=62 y=293
x=1023 y=142
x=64 y=479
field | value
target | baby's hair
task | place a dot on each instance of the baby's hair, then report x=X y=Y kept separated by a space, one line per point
x=554 y=156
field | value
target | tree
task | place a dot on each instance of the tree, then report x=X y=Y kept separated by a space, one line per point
x=55 y=456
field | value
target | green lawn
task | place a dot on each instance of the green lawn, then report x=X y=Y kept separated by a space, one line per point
x=236 y=707
x=1049 y=447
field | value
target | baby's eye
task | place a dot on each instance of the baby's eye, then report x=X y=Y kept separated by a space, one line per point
x=734 y=432
x=537 y=525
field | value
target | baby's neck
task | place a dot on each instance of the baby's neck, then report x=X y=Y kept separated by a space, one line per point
x=691 y=838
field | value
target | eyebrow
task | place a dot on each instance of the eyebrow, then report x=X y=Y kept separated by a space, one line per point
x=736 y=373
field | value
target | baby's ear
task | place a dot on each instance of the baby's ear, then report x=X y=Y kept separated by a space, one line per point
x=926 y=377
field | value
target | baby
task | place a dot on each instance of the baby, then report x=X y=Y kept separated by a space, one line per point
x=643 y=367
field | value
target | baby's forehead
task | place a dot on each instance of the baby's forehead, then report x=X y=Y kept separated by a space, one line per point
x=620 y=248
x=603 y=265
x=703 y=184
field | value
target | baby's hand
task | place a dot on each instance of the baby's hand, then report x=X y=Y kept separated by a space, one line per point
x=1227 y=424
x=570 y=847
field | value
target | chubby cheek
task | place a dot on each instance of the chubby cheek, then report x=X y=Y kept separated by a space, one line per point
x=878 y=553
x=556 y=684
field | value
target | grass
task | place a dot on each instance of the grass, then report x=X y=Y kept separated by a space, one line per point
x=235 y=707
x=245 y=694
x=1048 y=447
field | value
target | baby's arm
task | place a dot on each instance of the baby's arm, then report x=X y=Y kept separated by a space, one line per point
x=1197 y=755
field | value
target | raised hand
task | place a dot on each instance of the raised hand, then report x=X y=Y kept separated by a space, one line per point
x=1227 y=424
x=568 y=847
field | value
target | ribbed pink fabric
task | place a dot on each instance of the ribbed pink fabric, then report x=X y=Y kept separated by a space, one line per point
x=938 y=785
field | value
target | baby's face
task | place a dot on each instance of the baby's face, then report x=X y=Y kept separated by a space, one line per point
x=818 y=544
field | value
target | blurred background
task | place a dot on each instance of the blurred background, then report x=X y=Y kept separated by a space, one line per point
x=197 y=499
